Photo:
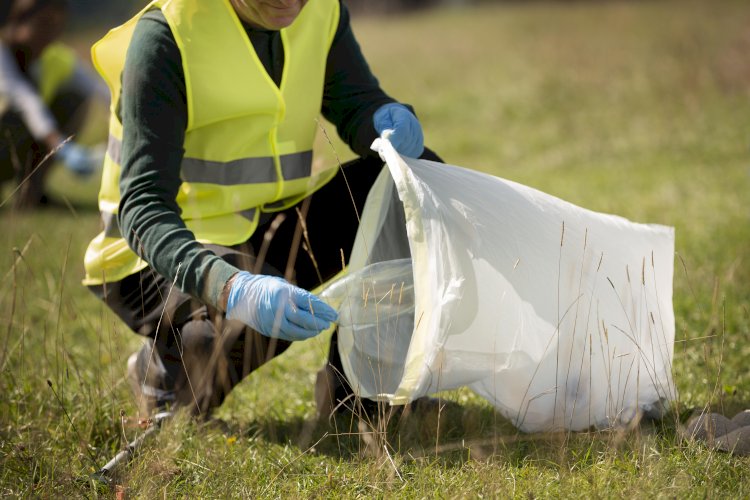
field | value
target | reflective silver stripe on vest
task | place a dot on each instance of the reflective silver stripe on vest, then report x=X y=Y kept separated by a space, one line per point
x=111 y=226
x=246 y=170
x=114 y=149
x=297 y=165
x=243 y=171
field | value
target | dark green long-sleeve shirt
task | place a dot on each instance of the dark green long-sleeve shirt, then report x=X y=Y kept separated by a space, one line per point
x=153 y=111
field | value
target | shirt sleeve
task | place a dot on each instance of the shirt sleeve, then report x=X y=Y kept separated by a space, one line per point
x=153 y=111
x=23 y=98
x=352 y=93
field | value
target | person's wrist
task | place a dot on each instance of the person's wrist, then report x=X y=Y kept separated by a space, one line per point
x=54 y=141
x=224 y=297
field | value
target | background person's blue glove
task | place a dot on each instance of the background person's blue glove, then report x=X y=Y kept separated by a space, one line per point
x=407 y=137
x=276 y=308
x=77 y=159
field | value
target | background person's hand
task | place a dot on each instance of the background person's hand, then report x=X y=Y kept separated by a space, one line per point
x=275 y=308
x=77 y=159
x=407 y=137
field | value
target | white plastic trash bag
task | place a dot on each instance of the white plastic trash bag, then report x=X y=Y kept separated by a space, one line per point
x=559 y=316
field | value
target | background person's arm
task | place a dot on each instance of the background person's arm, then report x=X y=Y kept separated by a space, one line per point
x=25 y=100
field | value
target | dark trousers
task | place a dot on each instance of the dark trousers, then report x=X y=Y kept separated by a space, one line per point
x=203 y=354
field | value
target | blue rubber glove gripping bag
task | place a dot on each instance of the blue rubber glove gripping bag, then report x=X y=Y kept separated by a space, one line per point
x=405 y=130
x=276 y=308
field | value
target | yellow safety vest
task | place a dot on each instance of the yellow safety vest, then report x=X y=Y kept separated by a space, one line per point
x=248 y=143
x=57 y=63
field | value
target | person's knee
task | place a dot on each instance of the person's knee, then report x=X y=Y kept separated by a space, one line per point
x=197 y=338
x=185 y=350
x=199 y=361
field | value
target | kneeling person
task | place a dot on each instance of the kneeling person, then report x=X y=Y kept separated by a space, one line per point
x=208 y=169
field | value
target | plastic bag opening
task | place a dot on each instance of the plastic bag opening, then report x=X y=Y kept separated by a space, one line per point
x=376 y=321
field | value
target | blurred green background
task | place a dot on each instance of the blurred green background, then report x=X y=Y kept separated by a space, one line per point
x=640 y=108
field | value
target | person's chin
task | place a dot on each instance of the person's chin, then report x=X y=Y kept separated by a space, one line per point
x=282 y=17
x=280 y=22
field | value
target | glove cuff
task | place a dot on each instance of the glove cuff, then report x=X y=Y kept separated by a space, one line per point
x=239 y=282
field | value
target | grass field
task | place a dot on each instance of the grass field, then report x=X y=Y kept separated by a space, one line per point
x=641 y=109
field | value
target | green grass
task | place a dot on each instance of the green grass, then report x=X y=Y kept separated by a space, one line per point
x=640 y=109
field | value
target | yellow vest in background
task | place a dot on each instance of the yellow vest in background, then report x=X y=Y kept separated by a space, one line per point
x=57 y=63
x=248 y=143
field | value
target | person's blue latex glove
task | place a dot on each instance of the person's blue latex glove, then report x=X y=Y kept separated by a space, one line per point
x=275 y=308
x=77 y=159
x=407 y=137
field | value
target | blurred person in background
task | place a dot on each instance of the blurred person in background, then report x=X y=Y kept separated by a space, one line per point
x=208 y=179
x=44 y=92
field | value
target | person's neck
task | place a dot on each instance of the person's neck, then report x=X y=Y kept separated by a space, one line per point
x=238 y=9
